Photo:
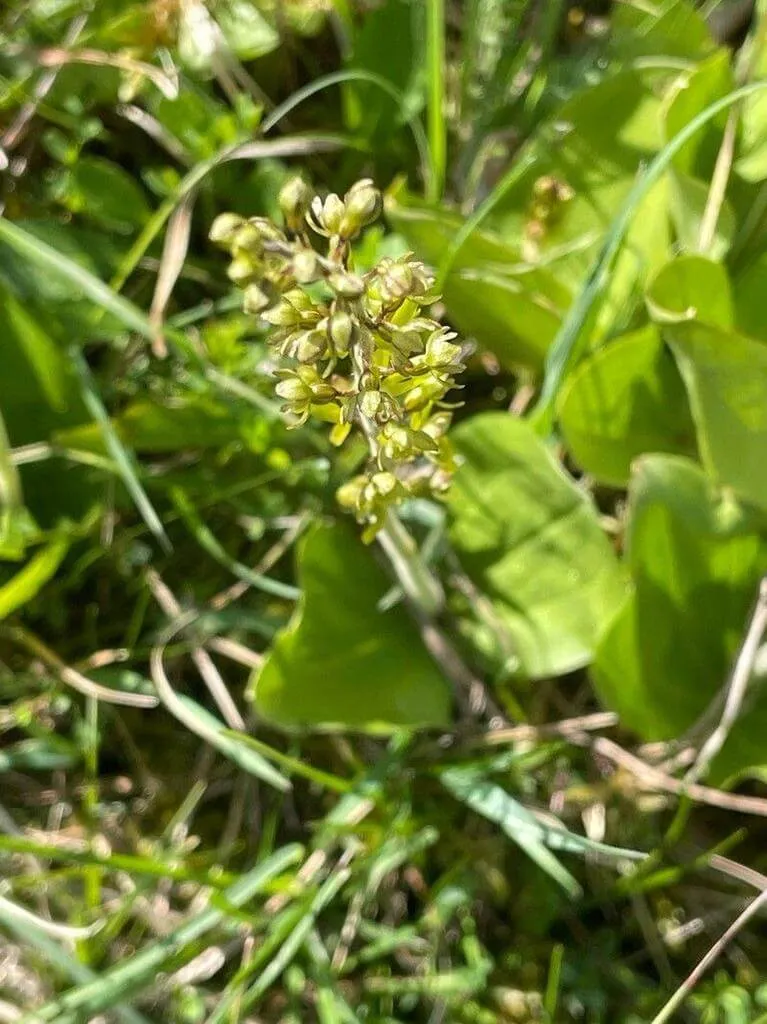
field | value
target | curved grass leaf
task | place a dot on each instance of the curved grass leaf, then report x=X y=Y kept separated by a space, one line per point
x=123 y=459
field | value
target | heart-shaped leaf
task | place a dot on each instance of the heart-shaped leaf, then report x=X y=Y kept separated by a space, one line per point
x=342 y=663
x=691 y=287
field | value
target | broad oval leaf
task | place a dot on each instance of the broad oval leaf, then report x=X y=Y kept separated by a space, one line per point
x=623 y=400
x=104 y=193
x=530 y=539
x=342 y=663
x=696 y=558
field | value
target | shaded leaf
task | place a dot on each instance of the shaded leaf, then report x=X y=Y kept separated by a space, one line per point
x=39 y=395
x=530 y=539
x=748 y=289
x=389 y=43
x=103 y=192
x=196 y=421
x=512 y=309
x=342 y=663
x=696 y=558
x=693 y=91
x=687 y=206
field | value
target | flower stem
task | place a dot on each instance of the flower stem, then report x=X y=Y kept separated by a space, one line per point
x=419 y=584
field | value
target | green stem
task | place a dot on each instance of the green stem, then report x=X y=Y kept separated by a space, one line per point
x=419 y=584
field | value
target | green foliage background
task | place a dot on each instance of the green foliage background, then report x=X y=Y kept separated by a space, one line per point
x=243 y=778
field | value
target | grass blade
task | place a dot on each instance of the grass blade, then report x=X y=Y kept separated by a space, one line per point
x=123 y=459
x=205 y=725
x=536 y=838
x=516 y=821
x=359 y=75
x=435 y=63
x=55 y=955
x=45 y=256
x=122 y=981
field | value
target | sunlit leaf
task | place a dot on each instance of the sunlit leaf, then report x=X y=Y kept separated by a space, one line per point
x=530 y=539
x=341 y=662
x=726 y=377
x=625 y=399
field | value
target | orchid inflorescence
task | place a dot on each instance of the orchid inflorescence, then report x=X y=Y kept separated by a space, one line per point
x=359 y=349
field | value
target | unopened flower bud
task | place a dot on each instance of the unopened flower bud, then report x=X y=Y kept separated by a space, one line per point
x=294 y=199
x=340 y=330
x=348 y=286
x=248 y=239
x=309 y=346
x=328 y=215
x=255 y=301
x=305 y=266
x=349 y=495
x=385 y=483
x=362 y=206
x=242 y=269
x=224 y=228
x=293 y=390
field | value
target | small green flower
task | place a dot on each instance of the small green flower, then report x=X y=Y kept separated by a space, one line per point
x=302 y=388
